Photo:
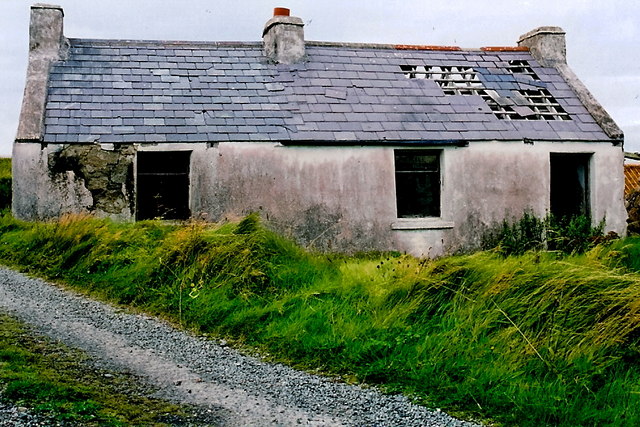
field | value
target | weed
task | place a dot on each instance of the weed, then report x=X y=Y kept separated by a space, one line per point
x=574 y=235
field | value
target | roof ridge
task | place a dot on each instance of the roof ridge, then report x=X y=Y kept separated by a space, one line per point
x=129 y=42
x=240 y=44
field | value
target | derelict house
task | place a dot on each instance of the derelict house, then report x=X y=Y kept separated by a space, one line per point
x=342 y=146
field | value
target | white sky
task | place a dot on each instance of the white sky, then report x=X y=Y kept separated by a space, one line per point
x=603 y=37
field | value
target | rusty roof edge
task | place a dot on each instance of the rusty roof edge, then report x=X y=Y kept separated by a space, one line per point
x=399 y=46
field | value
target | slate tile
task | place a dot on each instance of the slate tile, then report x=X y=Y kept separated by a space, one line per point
x=120 y=130
x=154 y=121
x=344 y=136
x=341 y=108
x=413 y=126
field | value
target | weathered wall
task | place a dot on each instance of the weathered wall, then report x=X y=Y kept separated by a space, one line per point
x=344 y=197
x=328 y=198
x=57 y=179
x=489 y=181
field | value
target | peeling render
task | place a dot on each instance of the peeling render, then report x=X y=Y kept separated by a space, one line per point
x=58 y=179
x=107 y=175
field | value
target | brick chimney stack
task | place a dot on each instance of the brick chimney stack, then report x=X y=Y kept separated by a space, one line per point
x=283 y=38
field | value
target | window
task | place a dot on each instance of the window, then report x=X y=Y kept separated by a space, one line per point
x=569 y=185
x=162 y=185
x=417 y=183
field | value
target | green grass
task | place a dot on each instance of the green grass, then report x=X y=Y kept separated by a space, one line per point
x=5 y=183
x=535 y=339
x=53 y=380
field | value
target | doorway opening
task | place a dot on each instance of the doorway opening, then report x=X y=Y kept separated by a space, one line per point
x=570 y=185
x=162 y=185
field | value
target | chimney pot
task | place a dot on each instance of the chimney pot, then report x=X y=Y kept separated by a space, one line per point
x=281 y=11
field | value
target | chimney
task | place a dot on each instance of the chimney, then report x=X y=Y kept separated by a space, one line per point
x=546 y=44
x=46 y=45
x=283 y=38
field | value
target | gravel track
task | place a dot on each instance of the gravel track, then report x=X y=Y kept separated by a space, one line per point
x=241 y=390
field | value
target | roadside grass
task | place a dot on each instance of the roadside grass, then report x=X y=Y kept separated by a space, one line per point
x=540 y=338
x=53 y=380
x=5 y=182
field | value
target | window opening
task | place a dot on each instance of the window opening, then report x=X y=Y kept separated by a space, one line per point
x=162 y=185
x=570 y=185
x=417 y=183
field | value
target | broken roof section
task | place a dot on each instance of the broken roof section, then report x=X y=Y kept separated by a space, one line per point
x=156 y=91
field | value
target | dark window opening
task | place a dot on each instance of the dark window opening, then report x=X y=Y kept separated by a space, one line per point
x=163 y=185
x=570 y=185
x=417 y=183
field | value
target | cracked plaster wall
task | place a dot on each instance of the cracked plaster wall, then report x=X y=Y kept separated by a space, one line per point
x=58 y=179
x=327 y=198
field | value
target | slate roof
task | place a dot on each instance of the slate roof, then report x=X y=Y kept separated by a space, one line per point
x=137 y=91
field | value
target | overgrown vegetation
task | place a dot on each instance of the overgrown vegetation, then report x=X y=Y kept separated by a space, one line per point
x=54 y=381
x=5 y=183
x=632 y=203
x=573 y=235
x=541 y=338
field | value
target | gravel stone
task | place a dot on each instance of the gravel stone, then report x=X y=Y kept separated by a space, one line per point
x=240 y=390
x=15 y=416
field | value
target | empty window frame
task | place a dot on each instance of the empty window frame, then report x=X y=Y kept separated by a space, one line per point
x=417 y=174
x=570 y=193
x=162 y=185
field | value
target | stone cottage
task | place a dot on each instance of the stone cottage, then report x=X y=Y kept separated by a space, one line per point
x=342 y=146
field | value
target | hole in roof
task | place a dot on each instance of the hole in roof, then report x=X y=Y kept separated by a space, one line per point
x=537 y=104
x=522 y=67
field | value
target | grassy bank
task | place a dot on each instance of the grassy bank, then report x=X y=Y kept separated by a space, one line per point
x=533 y=339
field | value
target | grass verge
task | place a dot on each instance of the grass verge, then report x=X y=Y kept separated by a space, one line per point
x=5 y=182
x=535 y=339
x=54 y=381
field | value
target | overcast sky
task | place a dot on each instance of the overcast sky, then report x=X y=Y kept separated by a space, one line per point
x=603 y=37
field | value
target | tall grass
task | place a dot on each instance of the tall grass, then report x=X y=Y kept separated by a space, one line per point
x=5 y=183
x=534 y=339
